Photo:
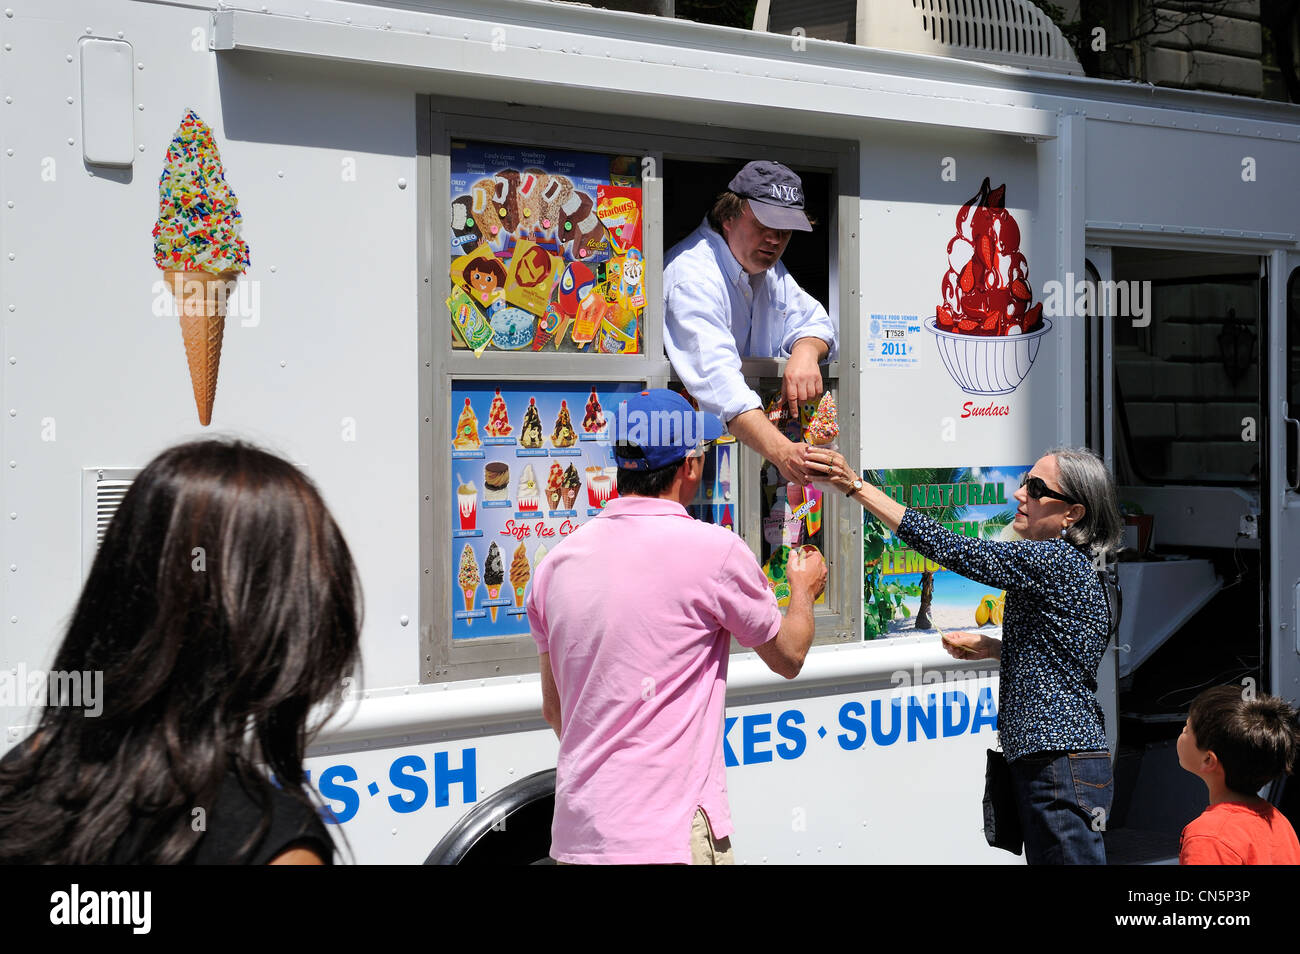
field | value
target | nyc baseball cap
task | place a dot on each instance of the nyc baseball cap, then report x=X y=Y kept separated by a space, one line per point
x=659 y=427
x=775 y=194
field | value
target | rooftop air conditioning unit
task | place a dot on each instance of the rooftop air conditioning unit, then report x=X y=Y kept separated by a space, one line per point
x=1004 y=32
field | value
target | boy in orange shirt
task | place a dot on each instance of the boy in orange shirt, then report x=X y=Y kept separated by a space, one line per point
x=1236 y=746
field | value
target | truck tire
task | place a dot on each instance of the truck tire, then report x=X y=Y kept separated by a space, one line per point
x=509 y=827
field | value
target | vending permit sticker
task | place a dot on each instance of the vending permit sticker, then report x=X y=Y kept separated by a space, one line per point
x=893 y=341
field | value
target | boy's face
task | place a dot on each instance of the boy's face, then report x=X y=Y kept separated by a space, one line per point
x=1190 y=755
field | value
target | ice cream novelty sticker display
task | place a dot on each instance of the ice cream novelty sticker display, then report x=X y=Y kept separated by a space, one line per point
x=530 y=462
x=546 y=250
x=199 y=249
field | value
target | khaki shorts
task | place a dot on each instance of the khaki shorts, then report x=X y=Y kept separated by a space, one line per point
x=705 y=849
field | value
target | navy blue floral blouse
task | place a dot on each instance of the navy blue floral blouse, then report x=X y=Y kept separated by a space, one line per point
x=1054 y=632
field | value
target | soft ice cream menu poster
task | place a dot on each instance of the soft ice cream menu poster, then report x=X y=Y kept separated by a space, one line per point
x=546 y=250
x=530 y=463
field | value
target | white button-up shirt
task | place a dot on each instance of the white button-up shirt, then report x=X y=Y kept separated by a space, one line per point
x=714 y=315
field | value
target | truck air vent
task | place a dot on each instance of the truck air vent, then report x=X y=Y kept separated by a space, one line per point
x=1003 y=32
x=102 y=491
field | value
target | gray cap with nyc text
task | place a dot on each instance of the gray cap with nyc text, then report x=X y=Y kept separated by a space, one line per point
x=775 y=195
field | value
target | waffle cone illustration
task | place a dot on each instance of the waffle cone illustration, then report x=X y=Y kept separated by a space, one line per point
x=201 y=301
x=469 y=579
x=492 y=594
x=520 y=574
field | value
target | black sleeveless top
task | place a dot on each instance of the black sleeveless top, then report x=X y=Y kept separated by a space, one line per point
x=229 y=822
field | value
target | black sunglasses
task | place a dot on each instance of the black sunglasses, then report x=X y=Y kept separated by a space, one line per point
x=1038 y=490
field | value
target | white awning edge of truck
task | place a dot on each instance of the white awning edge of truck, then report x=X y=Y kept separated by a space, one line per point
x=758 y=92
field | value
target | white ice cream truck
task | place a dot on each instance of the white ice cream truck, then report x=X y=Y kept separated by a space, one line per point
x=457 y=213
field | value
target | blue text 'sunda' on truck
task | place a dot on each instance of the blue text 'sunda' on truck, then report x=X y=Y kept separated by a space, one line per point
x=431 y=252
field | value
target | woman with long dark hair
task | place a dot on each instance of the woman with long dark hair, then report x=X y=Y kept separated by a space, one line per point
x=222 y=607
x=1054 y=633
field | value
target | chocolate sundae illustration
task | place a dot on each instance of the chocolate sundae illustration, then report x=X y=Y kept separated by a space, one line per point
x=986 y=330
x=532 y=433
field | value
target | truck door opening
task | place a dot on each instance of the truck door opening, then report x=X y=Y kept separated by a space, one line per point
x=1186 y=425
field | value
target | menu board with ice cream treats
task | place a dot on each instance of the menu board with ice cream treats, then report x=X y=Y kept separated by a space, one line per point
x=530 y=463
x=546 y=250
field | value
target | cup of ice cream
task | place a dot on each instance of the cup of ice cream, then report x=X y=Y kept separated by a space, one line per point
x=593 y=473
x=467 y=498
x=600 y=488
x=988 y=365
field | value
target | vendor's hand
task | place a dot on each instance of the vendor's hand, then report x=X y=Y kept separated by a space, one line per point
x=790 y=461
x=802 y=380
x=806 y=572
x=826 y=464
x=962 y=645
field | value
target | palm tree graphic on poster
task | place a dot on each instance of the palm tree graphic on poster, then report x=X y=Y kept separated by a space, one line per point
x=885 y=600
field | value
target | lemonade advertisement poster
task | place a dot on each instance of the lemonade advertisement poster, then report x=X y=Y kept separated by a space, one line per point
x=976 y=502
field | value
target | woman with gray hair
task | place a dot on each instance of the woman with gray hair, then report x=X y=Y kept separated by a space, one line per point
x=1054 y=633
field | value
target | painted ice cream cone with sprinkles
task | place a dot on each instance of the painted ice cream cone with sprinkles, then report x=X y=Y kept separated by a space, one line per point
x=197 y=245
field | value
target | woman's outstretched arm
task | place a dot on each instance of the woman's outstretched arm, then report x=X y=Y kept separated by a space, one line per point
x=1009 y=566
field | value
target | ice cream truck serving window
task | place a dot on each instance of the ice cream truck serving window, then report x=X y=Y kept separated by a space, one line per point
x=546 y=253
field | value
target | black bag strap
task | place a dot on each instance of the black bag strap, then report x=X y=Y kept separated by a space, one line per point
x=1108 y=575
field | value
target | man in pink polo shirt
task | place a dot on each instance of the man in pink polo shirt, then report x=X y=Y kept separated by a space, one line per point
x=633 y=615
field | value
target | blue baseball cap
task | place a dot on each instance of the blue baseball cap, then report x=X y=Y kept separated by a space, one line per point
x=659 y=427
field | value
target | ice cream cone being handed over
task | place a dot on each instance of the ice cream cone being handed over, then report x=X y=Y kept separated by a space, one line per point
x=197 y=246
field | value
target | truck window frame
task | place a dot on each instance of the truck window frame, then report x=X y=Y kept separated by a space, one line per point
x=441 y=120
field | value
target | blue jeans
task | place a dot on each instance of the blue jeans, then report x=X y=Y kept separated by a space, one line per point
x=1064 y=799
